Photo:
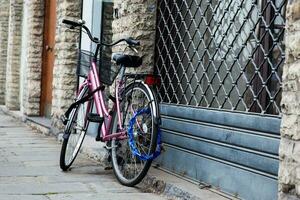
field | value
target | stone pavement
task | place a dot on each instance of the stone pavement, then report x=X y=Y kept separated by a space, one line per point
x=29 y=170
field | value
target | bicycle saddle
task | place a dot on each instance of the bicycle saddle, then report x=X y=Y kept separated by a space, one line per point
x=127 y=60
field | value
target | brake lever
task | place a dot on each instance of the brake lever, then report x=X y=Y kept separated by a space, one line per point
x=134 y=49
x=82 y=22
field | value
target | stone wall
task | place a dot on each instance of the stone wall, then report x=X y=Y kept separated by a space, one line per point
x=137 y=19
x=108 y=10
x=32 y=86
x=289 y=153
x=107 y=34
x=12 y=100
x=4 y=17
x=64 y=77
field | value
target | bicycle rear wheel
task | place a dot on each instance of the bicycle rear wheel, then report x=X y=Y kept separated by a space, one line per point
x=76 y=128
x=130 y=169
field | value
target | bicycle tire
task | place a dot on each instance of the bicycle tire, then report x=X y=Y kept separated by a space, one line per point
x=65 y=163
x=153 y=142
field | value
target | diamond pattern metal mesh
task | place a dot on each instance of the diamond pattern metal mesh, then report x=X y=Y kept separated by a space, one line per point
x=224 y=54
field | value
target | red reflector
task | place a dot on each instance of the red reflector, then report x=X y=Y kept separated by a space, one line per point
x=152 y=80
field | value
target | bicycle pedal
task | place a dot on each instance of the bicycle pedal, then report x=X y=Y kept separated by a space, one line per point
x=93 y=117
x=98 y=138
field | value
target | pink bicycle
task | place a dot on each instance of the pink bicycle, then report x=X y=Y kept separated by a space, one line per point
x=130 y=128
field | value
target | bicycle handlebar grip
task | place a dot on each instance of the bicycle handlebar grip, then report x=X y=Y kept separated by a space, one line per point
x=130 y=41
x=71 y=23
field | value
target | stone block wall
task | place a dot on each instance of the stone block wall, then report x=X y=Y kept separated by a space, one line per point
x=137 y=19
x=289 y=153
x=108 y=10
x=107 y=34
x=4 y=17
x=12 y=100
x=64 y=77
x=32 y=86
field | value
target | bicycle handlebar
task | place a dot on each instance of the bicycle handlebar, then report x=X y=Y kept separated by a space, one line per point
x=132 y=42
x=80 y=23
x=72 y=23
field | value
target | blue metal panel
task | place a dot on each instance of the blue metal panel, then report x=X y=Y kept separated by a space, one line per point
x=241 y=138
x=235 y=152
x=251 y=160
x=231 y=119
x=243 y=183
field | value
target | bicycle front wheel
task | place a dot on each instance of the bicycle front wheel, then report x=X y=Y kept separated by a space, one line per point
x=129 y=168
x=76 y=129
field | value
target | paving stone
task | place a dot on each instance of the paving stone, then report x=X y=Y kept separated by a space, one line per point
x=111 y=187
x=49 y=163
x=64 y=178
x=42 y=188
x=123 y=196
x=29 y=171
x=23 y=197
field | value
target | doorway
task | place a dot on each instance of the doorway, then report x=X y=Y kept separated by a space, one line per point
x=48 y=58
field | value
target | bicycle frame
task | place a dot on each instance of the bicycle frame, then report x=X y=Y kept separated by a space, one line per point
x=133 y=95
x=95 y=87
x=93 y=82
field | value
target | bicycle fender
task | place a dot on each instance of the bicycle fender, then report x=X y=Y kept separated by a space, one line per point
x=154 y=103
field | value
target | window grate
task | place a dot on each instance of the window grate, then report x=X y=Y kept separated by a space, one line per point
x=221 y=54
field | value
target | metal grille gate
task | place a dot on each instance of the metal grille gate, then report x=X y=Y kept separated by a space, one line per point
x=221 y=66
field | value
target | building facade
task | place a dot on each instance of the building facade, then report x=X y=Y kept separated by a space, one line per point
x=230 y=80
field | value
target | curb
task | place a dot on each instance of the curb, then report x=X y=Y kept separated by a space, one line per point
x=46 y=130
x=152 y=184
x=15 y=114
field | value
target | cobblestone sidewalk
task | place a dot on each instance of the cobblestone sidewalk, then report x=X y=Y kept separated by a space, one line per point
x=29 y=170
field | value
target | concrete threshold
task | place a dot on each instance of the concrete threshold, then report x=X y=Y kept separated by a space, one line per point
x=158 y=180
